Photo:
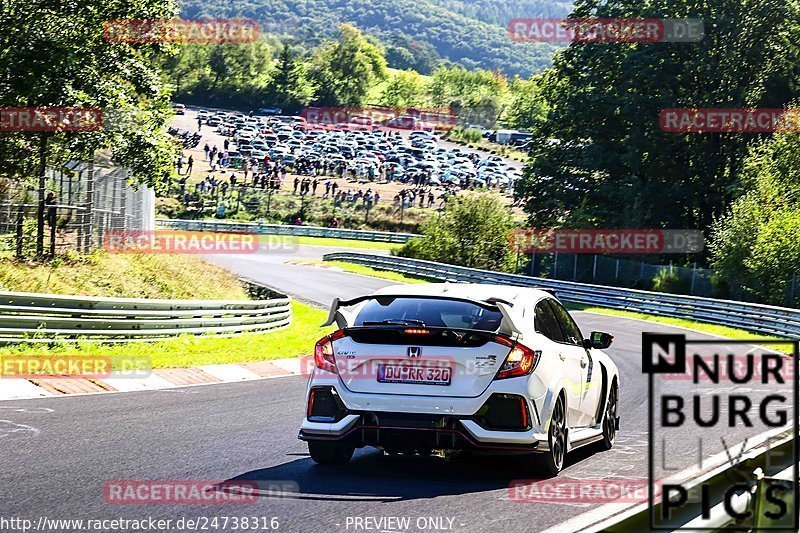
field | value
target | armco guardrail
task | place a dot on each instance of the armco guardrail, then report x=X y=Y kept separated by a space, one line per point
x=773 y=459
x=29 y=317
x=753 y=317
x=278 y=229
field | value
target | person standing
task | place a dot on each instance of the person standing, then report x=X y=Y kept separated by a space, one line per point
x=314 y=187
x=206 y=149
x=296 y=183
x=199 y=123
x=189 y=164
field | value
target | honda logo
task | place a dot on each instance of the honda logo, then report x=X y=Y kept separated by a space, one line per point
x=414 y=351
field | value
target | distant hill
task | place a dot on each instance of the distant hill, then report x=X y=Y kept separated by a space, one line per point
x=418 y=34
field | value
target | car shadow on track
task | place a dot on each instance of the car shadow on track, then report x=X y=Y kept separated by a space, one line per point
x=371 y=476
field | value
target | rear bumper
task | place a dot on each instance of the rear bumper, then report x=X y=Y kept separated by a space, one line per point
x=359 y=432
x=414 y=431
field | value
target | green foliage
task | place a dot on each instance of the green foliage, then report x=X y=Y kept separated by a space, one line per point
x=60 y=58
x=289 y=87
x=468 y=135
x=755 y=246
x=667 y=280
x=229 y=74
x=472 y=231
x=476 y=96
x=528 y=108
x=601 y=147
x=404 y=89
x=418 y=34
x=344 y=70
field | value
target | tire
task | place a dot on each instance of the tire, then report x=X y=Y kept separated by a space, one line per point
x=329 y=453
x=552 y=462
x=610 y=420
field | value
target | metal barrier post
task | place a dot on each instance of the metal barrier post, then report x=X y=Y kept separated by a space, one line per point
x=575 y=269
x=555 y=267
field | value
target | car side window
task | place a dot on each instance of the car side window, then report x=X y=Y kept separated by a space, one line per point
x=545 y=322
x=572 y=332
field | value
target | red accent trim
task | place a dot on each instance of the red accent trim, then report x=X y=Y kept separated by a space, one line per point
x=467 y=437
x=311 y=402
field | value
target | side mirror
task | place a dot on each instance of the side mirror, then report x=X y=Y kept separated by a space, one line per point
x=598 y=340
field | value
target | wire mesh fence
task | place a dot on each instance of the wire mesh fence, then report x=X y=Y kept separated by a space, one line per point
x=83 y=202
x=640 y=274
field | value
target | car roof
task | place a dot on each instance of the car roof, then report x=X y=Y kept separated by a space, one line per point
x=472 y=291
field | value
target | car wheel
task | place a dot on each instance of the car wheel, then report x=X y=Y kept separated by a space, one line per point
x=552 y=462
x=610 y=420
x=329 y=453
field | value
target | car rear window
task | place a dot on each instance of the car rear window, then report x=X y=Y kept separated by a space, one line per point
x=430 y=312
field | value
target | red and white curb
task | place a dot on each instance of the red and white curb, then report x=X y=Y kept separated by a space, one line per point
x=14 y=388
x=313 y=264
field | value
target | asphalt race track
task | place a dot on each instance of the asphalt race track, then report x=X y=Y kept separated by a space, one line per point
x=58 y=453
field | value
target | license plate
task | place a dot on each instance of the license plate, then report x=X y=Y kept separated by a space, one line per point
x=414 y=374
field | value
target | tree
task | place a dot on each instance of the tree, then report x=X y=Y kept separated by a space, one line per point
x=61 y=58
x=472 y=231
x=345 y=70
x=600 y=158
x=755 y=246
x=289 y=88
x=405 y=89
x=528 y=108
x=476 y=97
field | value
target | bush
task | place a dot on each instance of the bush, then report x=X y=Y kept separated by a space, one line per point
x=472 y=231
x=667 y=280
x=169 y=207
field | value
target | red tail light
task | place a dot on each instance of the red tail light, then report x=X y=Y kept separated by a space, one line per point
x=520 y=361
x=323 y=352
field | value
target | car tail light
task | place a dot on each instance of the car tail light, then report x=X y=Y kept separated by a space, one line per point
x=520 y=361
x=323 y=352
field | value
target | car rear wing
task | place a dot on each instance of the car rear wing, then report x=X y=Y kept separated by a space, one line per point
x=510 y=324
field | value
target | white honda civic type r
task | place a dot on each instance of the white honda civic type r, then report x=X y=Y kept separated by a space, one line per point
x=453 y=368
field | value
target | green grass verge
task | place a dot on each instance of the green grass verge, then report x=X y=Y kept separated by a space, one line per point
x=711 y=329
x=703 y=327
x=375 y=273
x=346 y=243
x=287 y=240
x=189 y=350
x=122 y=276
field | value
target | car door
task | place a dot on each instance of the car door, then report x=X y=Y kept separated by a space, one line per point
x=561 y=361
x=590 y=382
